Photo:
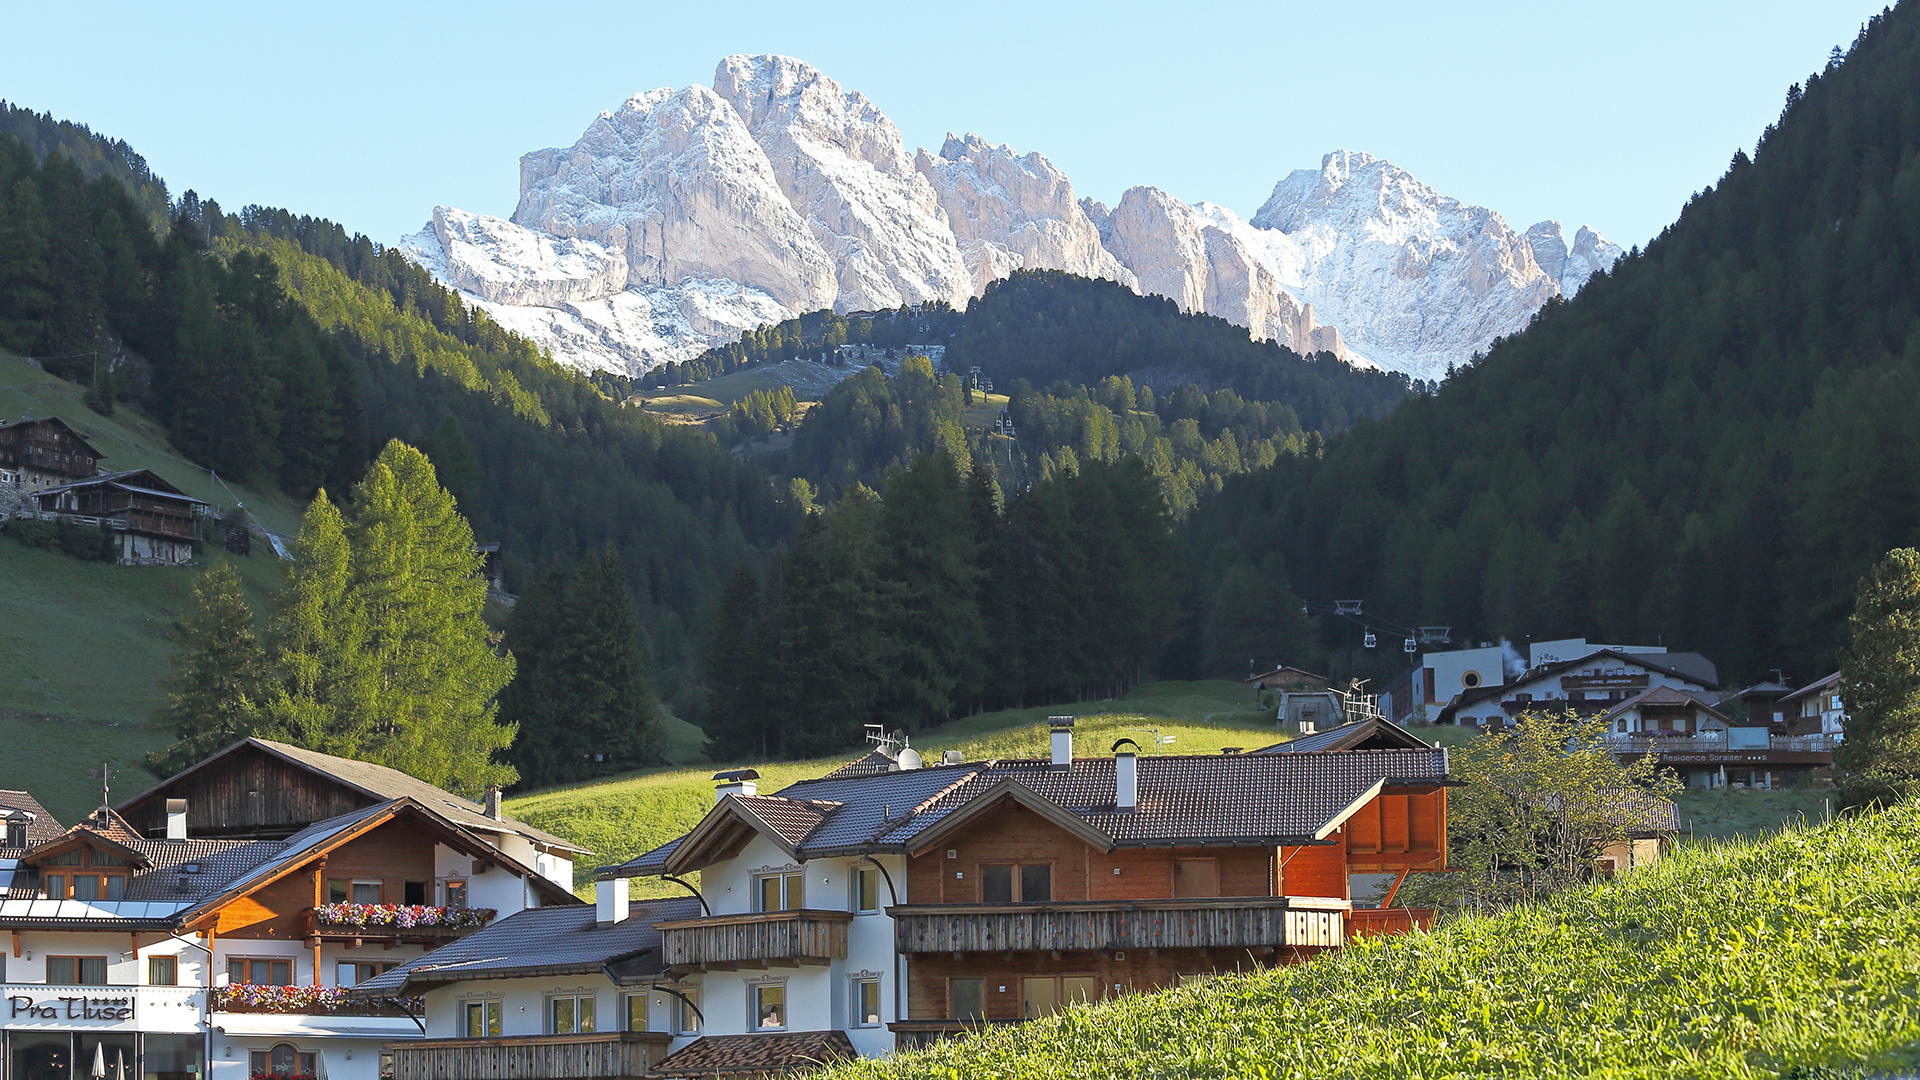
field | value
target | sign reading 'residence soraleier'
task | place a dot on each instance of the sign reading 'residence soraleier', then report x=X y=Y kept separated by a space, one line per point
x=70 y=1008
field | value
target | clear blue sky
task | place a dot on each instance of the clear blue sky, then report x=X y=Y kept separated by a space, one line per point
x=1609 y=113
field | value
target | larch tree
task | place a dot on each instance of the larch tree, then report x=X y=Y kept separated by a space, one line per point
x=418 y=579
x=319 y=633
x=1880 y=683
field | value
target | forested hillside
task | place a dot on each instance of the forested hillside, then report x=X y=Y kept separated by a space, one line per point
x=1706 y=447
x=283 y=351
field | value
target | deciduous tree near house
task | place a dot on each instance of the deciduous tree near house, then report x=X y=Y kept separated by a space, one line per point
x=1542 y=798
x=1880 y=682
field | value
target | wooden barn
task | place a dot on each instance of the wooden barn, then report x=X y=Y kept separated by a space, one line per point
x=41 y=453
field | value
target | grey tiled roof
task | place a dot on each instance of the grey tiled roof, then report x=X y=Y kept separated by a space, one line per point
x=1193 y=800
x=872 y=762
x=543 y=941
x=382 y=783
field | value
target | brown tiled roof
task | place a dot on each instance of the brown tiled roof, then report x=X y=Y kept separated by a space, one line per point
x=791 y=818
x=1191 y=800
x=756 y=1055
x=41 y=827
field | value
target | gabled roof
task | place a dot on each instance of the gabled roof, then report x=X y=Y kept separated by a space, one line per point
x=321 y=837
x=1826 y=685
x=1667 y=695
x=1184 y=800
x=544 y=942
x=41 y=826
x=378 y=783
x=1287 y=669
x=871 y=763
x=145 y=481
x=771 y=1054
x=1372 y=733
x=85 y=446
x=1560 y=668
x=102 y=829
x=736 y=819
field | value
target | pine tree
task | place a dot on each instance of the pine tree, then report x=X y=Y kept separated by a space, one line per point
x=220 y=673
x=934 y=634
x=417 y=577
x=608 y=697
x=532 y=702
x=1880 y=683
x=737 y=666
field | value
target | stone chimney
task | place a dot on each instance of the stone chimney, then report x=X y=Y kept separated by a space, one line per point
x=736 y=782
x=1126 y=774
x=1062 y=729
x=176 y=819
x=493 y=802
x=610 y=900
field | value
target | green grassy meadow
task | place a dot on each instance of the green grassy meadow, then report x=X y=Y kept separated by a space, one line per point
x=83 y=645
x=1796 y=954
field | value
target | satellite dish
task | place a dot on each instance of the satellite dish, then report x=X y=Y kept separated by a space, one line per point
x=908 y=760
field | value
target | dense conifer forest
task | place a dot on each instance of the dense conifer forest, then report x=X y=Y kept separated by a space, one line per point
x=1706 y=447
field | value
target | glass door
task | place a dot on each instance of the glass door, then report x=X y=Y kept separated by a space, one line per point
x=106 y=1056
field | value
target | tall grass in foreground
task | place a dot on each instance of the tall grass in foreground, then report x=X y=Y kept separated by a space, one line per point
x=1798 y=950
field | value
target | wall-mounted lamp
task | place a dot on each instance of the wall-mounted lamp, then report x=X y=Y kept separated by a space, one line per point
x=349 y=1053
x=229 y=1051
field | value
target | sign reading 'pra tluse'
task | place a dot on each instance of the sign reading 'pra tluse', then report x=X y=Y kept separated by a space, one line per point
x=70 y=1008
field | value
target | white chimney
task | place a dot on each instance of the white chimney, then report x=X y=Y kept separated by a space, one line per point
x=176 y=819
x=1062 y=727
x=1126 y=774
x=610 y=900
x=493 y=802
x=735 y=782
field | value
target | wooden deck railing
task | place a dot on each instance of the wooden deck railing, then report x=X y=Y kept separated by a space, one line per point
x=1228 y=922
x=772 y=938
x=607 y=1056
x=1377 y=922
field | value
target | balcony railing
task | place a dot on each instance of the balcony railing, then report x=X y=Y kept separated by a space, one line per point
x=1210 y=923
x=765 y=939
x=306 y=1000
x=1713 y=742
x=393 y=922
x=533 y=1057
x=1379 y=922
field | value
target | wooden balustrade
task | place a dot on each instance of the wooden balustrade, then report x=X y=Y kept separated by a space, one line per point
x=1229 y=922
x=772 y=938
x=608 y=1056
x=1377 y=922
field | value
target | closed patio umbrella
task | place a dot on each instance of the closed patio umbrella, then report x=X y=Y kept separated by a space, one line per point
x=99 y=1061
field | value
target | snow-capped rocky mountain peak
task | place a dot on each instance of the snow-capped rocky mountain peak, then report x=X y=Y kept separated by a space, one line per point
x=685 y=217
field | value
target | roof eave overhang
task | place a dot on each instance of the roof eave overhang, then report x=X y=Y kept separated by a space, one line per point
x=700 y=848
x=1333 y=823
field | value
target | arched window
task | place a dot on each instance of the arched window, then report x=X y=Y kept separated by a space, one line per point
x=284 y=1060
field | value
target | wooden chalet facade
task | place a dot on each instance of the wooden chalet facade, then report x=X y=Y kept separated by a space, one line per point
x=42 y=453
x=896 y=907
x=155 y=523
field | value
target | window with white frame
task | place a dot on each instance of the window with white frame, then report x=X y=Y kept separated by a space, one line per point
x=865 y=1003
x=570 y=1015
x=769 y=1001
x=866 y=890
x=781 y=892
x=480 y=1018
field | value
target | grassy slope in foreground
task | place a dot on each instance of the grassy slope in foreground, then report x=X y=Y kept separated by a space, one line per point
x=1738 y=959
x=621 y=817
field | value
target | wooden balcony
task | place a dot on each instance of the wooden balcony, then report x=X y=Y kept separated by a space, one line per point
x=316 y=929
x=607 y=1056
x=1228 y=922
x=1378 y=922
x=765 y=939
